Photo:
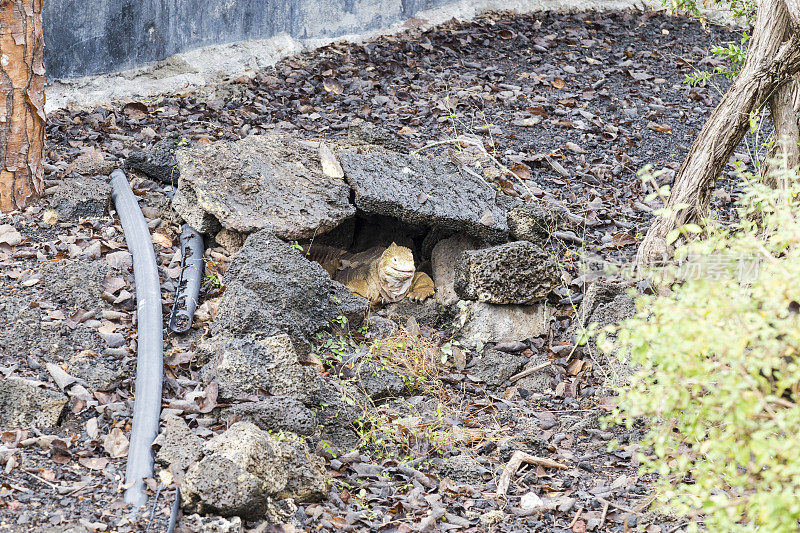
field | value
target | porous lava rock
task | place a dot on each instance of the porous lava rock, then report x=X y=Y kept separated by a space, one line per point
x=271 y=181
x=513 y=273
x=424 y=192
x=271 y=289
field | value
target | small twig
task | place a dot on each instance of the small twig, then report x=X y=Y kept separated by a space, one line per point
x=575 y=519
x=603 y=514
x=55 y=488
x=676 y=528
x=616 y=505
x=513 y=465
x=529 y=371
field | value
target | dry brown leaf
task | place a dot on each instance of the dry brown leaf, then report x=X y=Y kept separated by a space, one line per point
x=558 y=83
x=94 y=463
x=116 y=444
x=521 y=170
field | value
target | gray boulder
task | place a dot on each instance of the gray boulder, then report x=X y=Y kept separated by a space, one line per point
x=307 y=480
x=217 y=485
x=495 y=367
x=444 y=257
x=157 y=162
x=74 y=283
x=276 y=413
x=76 y=198
x=179 y=447
x=607 y=303
x=98 y=373
x=91 y=163
x=243 y=365
x=24 y=404
x=535 y=223
x=424 y=192
x=245 y=468
x=268 y=181
x=271 y=288
x=481 y=323
x=514 y=273
x=462 y=468
x=379 y=382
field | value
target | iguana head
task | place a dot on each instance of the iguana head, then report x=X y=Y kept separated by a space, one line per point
x=396 y=263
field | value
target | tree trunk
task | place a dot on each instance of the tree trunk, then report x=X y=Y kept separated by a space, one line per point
x=772 y=59
x=22 y=120
x=783 y=108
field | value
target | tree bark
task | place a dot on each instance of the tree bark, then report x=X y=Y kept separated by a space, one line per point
x=783 y=108
x=22 y=119
x=772 y=59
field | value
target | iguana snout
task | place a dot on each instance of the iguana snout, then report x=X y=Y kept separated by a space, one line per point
x=397 y=262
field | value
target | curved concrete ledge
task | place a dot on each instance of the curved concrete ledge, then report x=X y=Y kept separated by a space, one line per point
x=204 y=67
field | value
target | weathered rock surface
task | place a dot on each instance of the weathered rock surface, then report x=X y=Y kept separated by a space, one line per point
x=246 y=467
x=244 y=365
x=513 y=273
x=446 y=253
x=271 y=288
x=540 y=380
x=268 y=181
x=211 y=524
x=217 y=485
x=463 y=469
x=380 y=328
x=428 y=313
x=484 y=323
x=379 y=382
x=495 y=367
x=158 y=162
x=179 y=446
x=76 y=198
x=535 y=223
x=73 y=283
x=607 y=303
x=91 y=163
x=23 y=404
x=99 y=374
x=25 y=333
x=307 y=479
x=424 y=192
x=338 y=405
x=276 y=413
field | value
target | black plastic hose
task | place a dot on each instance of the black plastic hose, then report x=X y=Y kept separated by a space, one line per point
x=150 y=342
x=188 y=290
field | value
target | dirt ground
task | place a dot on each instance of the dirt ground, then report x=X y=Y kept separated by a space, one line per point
x=574 y=103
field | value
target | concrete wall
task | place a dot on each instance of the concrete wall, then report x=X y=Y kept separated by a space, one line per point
x=99 y=36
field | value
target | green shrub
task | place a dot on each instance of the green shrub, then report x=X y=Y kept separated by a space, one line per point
x=717 y=371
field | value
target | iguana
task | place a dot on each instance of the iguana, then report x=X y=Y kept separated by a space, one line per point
x=381 y=275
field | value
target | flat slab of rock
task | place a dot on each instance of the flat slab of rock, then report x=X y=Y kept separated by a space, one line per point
x=24 y=404
x=424 y=192
x=513 y=273
x=484 y=323
x=267 y=181
x=271 y=288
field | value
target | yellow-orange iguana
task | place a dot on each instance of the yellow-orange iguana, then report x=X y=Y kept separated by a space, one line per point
x=381 y=275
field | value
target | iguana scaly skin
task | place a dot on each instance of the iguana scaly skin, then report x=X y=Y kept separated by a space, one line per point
x=381 y=275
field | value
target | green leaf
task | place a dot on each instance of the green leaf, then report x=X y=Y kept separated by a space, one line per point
x=693 y=228
x=672 y=236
